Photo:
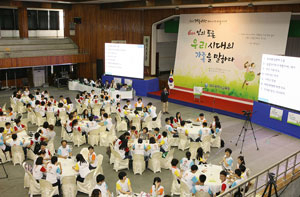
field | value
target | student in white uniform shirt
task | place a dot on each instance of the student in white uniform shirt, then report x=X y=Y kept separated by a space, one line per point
x=107 y=121
x=39 y=169
x=238 y=179
x=93 y=161
x=2 y=117
x=129 y=105
x=203 y=132
x=139 y=103
x=17 y=142
x=8 y=130
x=64 y=150
x=82 y=167
x=164 y=142
x=152 y=148
x=54 y=170
x=201 y=187
x=189 y=177
x=152 y=111
x=3 y=147
x=227 y=161
x=50 y=134
x=123 y=185
x=102 y=186
x=139 y=148
x=224 y=181
x=157 y=189
x=186 y=162
x=49 y=107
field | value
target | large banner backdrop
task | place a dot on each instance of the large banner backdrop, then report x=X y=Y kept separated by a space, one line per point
x=222 y=52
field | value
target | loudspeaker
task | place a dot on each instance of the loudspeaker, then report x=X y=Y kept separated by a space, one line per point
x=100 y=68
x=77 y=20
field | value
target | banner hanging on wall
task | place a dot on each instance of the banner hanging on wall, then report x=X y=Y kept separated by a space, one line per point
x=276 y=113
x=223 y=52
x=293 y=118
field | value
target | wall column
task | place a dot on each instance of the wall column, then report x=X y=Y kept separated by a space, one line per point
x=23 y=22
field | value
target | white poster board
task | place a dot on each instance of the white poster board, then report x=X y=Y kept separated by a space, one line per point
x=276 y=113
x=293 y=119
x=118 y=80
x=128 y=82
x=198 y=90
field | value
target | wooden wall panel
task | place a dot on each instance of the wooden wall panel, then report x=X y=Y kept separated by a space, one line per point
x=103 y=25
x=44 y=60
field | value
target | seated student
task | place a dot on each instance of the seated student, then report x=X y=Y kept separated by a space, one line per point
x=3 y=147
x=224 y=181
x=145 y=134
x=182 y=129
x=118 y=142
x=83 y=130
x=10 y=114
x=68 y=125
x=201 y=119
x=216 y=130
x=26 y=91
x=35 y=142
x=189 y=177
x=152 y=111
x=17 y=142
x=49 y=107
x=85 y=114
x=176 y=171
x=152 y=148
x=107 y=121
x=42 y=109
x=47 y=155
x=200 y=157
x=172 y=124
x=64 y=150
x=38 y=96
x=169 y=128
x=145 y=113
x=124 y=150
x=123 y=185
x=237 y=176
x=178 y=118
x=213 y=124
x=139 y=148
x=62 y=100
x=129 y=105
x=82 y=167
x=133 y=133
x=124 y=87
x=39 y=169
x=102 y=186
x=32 y=101
x=203 y=132
x=60 y=108
x=244 y=174
x=186 y=162
x=118 y=108
x=19 y=127
x=69 y=105
x=50 y=135
x=2 y=117
x=52 y=101
x=227 y=161
x=93 y=161
x=54 y=170
x=164 y=143
x=240 y=161
x=45 y=128
x=139 y=104
x=201 y=187
x=157 y=189
x=7 y=129
x=157 y=135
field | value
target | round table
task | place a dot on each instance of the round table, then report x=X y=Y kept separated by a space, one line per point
x=67 y=165
x=212 y=173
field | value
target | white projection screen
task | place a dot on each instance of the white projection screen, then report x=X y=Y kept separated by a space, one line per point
x=279 y=81
x=126 y=60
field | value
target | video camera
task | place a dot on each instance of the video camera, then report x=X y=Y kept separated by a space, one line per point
x=247 y=113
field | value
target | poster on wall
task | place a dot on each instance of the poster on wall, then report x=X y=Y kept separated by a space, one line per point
x=223 y=52
x=293 y=119
x=147 y=50
x=276 y=113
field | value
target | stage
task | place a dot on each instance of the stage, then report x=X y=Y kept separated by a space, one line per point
x=227 y=105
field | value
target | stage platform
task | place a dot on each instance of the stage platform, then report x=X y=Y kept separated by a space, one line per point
x=227 y=105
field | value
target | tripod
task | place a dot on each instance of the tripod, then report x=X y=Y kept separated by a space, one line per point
x=6 y=175
x=245 y=129
x=269 y=185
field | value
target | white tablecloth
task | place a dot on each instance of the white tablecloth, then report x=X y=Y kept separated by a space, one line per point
x=75 y=85
x=193 y=131
x=212 y=176
x=67 y=165
x=22 y=135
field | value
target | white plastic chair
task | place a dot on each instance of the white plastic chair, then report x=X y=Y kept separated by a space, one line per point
x=4 y=156
x=107 y=108
x=157 y=122
x=50 y=146
x=112 y=157
x=119 y=163
x=202 y=194
x=183 y=142
x=63 y=117
x=32 y=117
x=51 y=118
x=69 y=187
x=138 y=164
x=4 y=107
x=88 y=184
x=65 y=135
x=216 y=142
x=39 y=119
x=103 y=135
x=107 y=137
x=147 y=123
x=193 y=149
x=34 y=186
x=205 y=144
x=173 y=141
x=47 y=189
x=175 y=187
x=121 y=124
x=166 y=162
x=26 y=177
x=136 y=121
x=96 y=109
x=93 y=137
x=17 y=155
x=20 y=107
x=78 y=138
x=2 y=123
x=31 y=155
x=154 y=162
x=85 y=153
x=99 y=169
x=78 y=107
x=185 y=190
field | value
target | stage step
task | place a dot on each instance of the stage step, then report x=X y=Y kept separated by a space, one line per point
x=36 y=47
x=38 y=53
x=32 y=41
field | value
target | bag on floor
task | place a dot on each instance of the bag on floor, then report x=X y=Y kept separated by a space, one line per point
x=222 y=143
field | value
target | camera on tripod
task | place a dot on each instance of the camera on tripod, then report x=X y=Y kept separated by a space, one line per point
x=247 y=113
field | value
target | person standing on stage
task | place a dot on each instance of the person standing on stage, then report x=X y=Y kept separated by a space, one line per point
x=164 y=99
